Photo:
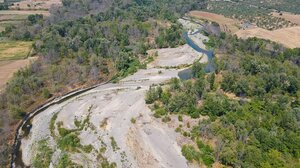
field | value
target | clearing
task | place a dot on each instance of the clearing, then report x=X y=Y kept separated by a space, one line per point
x=289 y=37
x=226 y=24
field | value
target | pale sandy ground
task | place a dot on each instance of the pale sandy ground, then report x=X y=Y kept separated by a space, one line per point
x=289 y=37
x=179 y=56
x=147 y=143
x=8 y=68
x=188 y=24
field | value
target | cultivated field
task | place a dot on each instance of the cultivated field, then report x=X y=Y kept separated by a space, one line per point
x=288 y=16
x=14 y=50
x=227 y=24
x=289 y=37
x=12 y=57
x=35 y=4
x=23 y=12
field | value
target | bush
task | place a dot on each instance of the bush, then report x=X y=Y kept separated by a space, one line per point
x=190 y=153
x=160 y=112
x=46 y=93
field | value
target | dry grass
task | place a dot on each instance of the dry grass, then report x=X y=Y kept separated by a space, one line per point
x=227 y=24
x=288 y=16
x=14 y=50
x=23 y=12
x=289 y=37
x=35 y=4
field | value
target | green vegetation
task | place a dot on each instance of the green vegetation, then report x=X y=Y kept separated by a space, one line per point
x=65 y=162
x=255 y=128
x=133 y=120
x=43 y=154
x=203 y=155
x=114 y=144
x=52 y=124
x=190 y=153
x=69 y=141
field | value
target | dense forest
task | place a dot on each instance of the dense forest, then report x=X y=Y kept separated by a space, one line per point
x=252 y=101
x=83 y=43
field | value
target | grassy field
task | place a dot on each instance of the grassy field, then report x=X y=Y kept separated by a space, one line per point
x=14 y=50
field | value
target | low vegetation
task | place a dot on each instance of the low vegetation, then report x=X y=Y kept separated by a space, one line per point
x=43 y=154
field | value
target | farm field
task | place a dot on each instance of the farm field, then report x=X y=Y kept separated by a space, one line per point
x=23 y=12
x=289 y=37
x=12 y=57
x=14 y=50
x=227 y=24
x=288 y=16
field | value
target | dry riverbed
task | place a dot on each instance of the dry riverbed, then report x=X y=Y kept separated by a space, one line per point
x=114 y=121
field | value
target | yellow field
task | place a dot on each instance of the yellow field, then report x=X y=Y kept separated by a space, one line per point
x=227 y=24
x=13 y=50
x=289 y=37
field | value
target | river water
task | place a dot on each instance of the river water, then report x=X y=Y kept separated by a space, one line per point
x=187 y=73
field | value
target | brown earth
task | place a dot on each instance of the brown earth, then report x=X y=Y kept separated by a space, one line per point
x=289 y=37
x=288 y=16
x=227 y=24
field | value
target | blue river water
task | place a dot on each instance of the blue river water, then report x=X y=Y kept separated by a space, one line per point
x=187 y=73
